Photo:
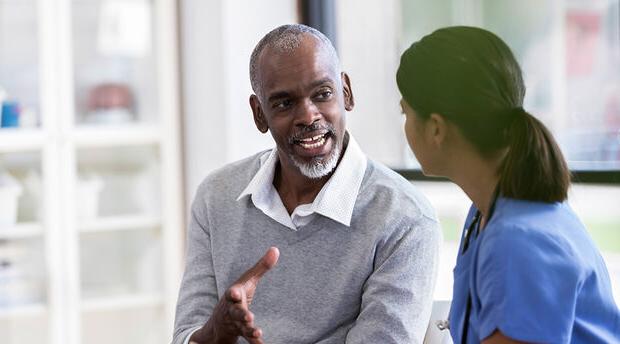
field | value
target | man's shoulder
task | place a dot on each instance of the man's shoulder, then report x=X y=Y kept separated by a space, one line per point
x=387 y=189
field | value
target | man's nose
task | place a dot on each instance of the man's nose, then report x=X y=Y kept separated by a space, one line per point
x=307 y=113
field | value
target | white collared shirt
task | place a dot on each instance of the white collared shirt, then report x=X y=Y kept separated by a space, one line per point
x=335 y=200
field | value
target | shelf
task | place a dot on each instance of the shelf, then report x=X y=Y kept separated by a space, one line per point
x=32 y=310
x=116 y=135
x=21 y=231
x=119 y=223
x=19 y=140
x=130 y=301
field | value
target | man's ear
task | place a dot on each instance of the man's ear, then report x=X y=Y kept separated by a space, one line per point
x=259 y=116
x=349 y=101
x=436 y=129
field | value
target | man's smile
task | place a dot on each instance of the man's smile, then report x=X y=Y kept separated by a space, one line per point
x=313 y=144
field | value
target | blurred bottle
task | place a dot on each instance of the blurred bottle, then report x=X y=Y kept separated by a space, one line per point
x=10 y=114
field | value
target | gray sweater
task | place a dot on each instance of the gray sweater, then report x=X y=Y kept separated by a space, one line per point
x=371 y=282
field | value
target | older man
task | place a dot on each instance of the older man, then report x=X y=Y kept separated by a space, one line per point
x=351 y=247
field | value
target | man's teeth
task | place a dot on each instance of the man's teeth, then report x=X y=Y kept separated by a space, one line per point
x=310 y=139
x=319 y=143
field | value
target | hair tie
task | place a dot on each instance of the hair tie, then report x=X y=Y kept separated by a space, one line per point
x=511 y=118
x=516 y=112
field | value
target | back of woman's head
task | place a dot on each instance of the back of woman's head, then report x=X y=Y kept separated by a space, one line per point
x=470 y=77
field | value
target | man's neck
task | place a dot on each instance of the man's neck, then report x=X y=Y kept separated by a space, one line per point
x=296 y=189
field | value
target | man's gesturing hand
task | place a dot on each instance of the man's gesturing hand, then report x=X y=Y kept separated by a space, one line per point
x=231 y=317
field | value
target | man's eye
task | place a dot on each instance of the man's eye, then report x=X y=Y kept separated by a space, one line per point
x=282 y=104
x=324 y=94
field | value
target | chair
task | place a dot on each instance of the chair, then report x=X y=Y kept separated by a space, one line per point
x=434 y=335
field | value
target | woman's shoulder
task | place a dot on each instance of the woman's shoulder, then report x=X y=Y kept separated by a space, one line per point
x=534 y=218
x=535 y=230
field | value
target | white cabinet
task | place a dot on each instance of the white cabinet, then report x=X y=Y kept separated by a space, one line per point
x=92 y=251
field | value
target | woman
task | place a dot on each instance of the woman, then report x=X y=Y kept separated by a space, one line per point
x=527 y=270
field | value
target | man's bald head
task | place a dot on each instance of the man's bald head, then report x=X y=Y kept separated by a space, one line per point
x=285 y=39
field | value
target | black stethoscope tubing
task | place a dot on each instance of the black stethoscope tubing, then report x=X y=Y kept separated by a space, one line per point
x=474 y=225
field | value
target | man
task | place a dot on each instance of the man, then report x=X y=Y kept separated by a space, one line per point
x=351 y=247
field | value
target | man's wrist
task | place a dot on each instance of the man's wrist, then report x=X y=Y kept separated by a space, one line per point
x=204 y=335
x=208 y=335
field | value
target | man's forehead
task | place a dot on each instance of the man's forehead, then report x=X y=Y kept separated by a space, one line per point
x=292 y=82
x=303 y=67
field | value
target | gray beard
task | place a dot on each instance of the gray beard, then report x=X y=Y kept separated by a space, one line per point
x=318 y=169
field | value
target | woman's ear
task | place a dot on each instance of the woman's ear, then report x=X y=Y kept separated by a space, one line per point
x=259 y=115
x=437 y=129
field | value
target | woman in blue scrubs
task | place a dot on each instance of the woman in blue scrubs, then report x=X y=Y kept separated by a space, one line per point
x=527 y=270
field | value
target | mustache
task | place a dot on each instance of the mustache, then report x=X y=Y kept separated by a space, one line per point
x=311 y=128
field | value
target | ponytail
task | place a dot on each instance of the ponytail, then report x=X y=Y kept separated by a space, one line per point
x=471 y=77
x=534 y=168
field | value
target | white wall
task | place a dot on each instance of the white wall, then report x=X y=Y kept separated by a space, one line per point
x=369 y=51
x=217 y=39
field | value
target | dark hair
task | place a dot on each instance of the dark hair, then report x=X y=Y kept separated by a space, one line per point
x=470 y=77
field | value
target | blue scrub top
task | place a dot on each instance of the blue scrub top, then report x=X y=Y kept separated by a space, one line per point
x=535 y=274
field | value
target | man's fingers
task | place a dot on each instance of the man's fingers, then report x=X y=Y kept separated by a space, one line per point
x=240 y=314
x=255 y=337
x=265 y=264
x=255 y=340
x=244 y=322
x=249 y=332
x=248 y=318
x=238 y=297
x=234 y=294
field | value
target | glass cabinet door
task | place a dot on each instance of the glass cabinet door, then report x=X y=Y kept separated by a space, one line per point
x=114 y=63
x=118 y=177
x=90 y=183
x=24 y=299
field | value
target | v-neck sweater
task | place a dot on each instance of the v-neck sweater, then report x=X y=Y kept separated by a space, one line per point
x=370 y=282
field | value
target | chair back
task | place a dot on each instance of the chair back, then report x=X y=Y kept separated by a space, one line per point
x=439 y=315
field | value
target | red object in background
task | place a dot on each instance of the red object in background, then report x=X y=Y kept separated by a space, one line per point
x=110 y=96
x=583 y=41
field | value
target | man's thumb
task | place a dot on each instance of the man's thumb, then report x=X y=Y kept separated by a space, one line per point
x=265 y=264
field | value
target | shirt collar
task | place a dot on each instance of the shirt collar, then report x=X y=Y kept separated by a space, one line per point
x=263 y=179
x=336 y=199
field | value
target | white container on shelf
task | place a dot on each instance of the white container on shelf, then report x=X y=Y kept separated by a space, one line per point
x=16 y=287
x=20 y=280
x=10 y=190
x=30 y=207
x=87 y=197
